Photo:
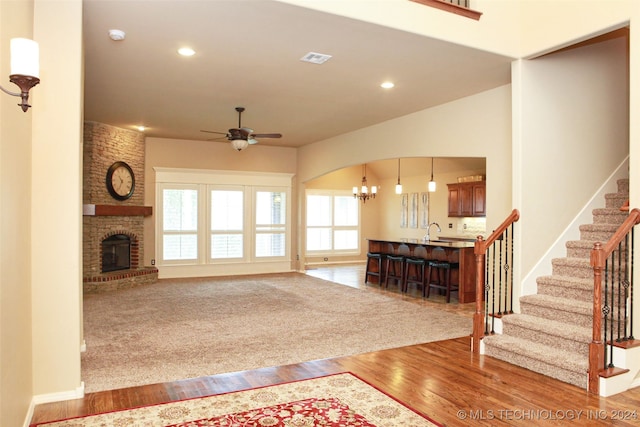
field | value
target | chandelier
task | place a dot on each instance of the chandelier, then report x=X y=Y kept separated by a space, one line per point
x=364 y=193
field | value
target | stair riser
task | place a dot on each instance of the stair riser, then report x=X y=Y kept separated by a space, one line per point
x=612 y=218
x=576 y=378
x=564 y=292
x=615 y=201
x=596 y=236
x=581 y=319
x=584 y=253
x=623 y=185
x=561 y=269
x=547 y=339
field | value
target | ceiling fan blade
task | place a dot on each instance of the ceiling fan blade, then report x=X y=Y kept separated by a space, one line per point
x=252 y=140
x=211 y=131
x=266 y=135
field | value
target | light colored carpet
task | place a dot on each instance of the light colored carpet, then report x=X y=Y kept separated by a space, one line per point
x=177 y=329
x=335 y=400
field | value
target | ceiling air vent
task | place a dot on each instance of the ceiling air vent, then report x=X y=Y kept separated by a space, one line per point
x=315 y=58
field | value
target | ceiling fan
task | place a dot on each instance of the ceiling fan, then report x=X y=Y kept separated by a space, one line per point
x=241 y=137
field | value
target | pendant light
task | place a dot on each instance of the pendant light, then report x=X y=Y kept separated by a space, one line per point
x=398 y=185
x=432 y=184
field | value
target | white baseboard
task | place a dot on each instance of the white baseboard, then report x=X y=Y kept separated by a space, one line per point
x=333 y=263
x=78 y=393
x=38 y=399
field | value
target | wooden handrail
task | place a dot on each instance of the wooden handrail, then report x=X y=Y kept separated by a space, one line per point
x=608 y=248
x=599 y=255
x=480 y=250
x=482 y=245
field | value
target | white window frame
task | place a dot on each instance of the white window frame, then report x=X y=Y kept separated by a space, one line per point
x=205 y=181
x=333 y=252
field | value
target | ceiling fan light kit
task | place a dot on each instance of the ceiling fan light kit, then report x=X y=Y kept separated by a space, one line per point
x=241 y=137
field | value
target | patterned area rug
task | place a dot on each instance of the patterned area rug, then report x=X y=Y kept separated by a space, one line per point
x=336 y=400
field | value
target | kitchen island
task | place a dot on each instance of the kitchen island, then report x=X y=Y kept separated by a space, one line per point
x=441 y=249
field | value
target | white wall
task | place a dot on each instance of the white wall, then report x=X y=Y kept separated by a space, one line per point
x=573 y=116
x=476 y=126
x=16 y=376
x=56 y=234
x=211 y=155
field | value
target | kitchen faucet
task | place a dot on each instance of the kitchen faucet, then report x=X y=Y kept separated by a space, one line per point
x=427 y=236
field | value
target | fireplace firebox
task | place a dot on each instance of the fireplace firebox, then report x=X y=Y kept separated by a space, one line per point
x=116 y=253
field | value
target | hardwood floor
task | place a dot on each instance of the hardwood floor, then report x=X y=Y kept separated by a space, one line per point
x=441 y=379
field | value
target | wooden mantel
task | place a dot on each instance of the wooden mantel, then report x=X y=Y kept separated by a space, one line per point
x=116 y=210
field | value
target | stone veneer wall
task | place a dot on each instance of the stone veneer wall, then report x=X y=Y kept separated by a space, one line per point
x=104 y=145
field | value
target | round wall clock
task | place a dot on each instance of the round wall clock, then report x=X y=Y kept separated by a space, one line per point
x=120 y=181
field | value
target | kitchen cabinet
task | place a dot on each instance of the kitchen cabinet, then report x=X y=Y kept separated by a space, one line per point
x=467 y=199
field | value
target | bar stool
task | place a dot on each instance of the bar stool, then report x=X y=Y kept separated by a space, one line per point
x=395 y=266
x=443 y=276
x=375 y=259
x=419 y=262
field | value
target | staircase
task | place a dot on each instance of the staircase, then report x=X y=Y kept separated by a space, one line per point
x=552 y=333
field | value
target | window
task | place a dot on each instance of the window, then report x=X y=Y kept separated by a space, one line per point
x=227 y=228
x=213 y=219
x=180 y=224
x=333 y=222
x=270 y=223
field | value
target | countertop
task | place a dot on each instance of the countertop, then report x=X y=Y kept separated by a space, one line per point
x=441 y=241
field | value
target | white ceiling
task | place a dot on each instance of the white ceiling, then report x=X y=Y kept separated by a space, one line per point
x=248 y=54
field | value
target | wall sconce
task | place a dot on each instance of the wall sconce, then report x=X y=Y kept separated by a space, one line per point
x=25 y=69
x=431 y=187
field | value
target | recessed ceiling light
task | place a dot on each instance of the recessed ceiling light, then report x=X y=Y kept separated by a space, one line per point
x=186 y=51
x=141 y=128
x=387 y=85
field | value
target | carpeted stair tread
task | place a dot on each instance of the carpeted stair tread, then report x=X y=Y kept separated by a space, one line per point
x=615 y=200
x=576 y=267
x=560 y=364
x=580 y=248
x=559 y=309
x=551 y=327
x=556 y=334
x=609 y=216
x=566 y=304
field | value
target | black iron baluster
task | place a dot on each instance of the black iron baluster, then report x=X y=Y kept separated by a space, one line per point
x=510 y=269
x=605 y=308
x=611 y=309
x=622 y=277
x=631 y=287
x=500 y=289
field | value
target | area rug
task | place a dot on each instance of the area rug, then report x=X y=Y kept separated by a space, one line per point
x=187 y=328
x=335 y=400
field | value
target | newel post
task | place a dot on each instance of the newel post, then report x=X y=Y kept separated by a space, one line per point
x=479 y=251
x=596 y=347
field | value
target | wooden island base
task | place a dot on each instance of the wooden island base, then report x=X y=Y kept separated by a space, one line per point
x=460 y=252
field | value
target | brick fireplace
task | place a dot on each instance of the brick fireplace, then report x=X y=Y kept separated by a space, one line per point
x=108 y=220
